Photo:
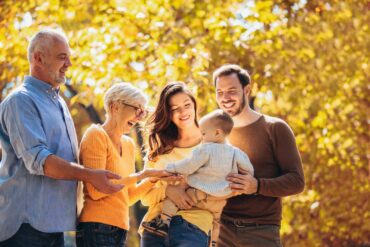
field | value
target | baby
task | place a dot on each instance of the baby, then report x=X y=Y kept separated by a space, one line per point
x=206 y=172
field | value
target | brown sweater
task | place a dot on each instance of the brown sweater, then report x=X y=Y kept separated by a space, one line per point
x=271 y=147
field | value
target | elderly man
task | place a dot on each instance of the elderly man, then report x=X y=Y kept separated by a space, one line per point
x=38 y=172
x=253 y=218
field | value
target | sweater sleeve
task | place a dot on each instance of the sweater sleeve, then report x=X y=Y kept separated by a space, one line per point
x=93 y=154
x=243 y=162
x=156 y=193
x=137 y=191
x=287 y=156
x=189 y=165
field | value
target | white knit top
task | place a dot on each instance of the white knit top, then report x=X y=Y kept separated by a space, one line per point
x=209 y=165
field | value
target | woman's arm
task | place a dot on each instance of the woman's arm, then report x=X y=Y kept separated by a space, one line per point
x=137 y=191
x=146 y=173
x=157 y=191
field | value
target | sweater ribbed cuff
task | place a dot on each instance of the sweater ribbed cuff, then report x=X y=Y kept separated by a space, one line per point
x=258 y=186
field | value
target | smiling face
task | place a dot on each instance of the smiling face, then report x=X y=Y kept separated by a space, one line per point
x=125 y=115
x=56 y=62
x=182 y=110
x=230 y=95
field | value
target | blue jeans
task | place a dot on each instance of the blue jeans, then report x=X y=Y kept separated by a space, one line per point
x=181 y=234
x=91 y=234
x=28 y=236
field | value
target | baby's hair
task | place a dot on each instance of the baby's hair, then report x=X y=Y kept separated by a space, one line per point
x=220 y=119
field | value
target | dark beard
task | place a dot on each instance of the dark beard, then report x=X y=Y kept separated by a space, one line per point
x=241 y=107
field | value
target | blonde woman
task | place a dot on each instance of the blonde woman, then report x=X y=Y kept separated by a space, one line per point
x=104 y=219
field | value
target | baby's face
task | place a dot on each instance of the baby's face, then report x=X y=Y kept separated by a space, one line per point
x=208 y=131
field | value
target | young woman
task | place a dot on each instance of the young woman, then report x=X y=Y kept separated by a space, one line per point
x=173 y=134
x=104 y=219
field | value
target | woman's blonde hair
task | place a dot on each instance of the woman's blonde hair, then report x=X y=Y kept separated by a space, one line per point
x=125 y=93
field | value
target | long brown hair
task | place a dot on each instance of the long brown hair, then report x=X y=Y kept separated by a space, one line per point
x=162 y=131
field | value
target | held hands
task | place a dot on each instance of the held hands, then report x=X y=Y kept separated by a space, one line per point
x=100 y=179
x=243 y=183
x=156 y=174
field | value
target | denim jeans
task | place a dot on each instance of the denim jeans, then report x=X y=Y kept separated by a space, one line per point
x=181 y=234
x=91 y=234
x=28 y=236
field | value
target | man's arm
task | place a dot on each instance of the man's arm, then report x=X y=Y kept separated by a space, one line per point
x=27 y=137
x=286 y=153
x=289 y=161
x=57 y=168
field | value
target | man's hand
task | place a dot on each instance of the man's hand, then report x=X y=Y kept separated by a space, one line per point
x=100 y=179
x=177 y=194
x=58 y=168
x=242 y=183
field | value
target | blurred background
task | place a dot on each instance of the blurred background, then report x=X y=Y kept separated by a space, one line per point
x=309 y=62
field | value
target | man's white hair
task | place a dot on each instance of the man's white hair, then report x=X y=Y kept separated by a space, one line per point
x=125 y=93
x=43 y=39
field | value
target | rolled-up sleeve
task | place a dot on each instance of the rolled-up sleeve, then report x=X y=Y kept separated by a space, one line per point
x=26 y=134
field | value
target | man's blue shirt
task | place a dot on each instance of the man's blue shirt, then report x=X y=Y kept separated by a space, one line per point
x=34 y=123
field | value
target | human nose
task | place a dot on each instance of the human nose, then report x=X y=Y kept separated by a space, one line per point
x=140 y=114
x=68 y=62
x=226 y=96
x=182 y=110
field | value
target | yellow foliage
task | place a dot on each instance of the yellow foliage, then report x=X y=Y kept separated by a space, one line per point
x=309 y=63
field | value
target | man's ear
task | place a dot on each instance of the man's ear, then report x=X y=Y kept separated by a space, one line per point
x=38 y=58
x=247 y=90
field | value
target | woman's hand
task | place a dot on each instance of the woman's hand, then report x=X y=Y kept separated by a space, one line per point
x=151 y=172
x=160 y=174
x=177 y=194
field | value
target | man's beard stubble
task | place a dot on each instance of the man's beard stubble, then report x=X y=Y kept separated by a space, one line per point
x=241 y=107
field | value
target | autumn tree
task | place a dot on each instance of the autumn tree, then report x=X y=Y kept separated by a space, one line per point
x=309 y=62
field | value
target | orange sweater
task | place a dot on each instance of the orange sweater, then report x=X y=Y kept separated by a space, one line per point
x=97 y=152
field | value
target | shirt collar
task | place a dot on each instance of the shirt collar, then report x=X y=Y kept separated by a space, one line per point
x=41 y=85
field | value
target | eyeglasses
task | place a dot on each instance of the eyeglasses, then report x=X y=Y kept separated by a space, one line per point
x=139 y=112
